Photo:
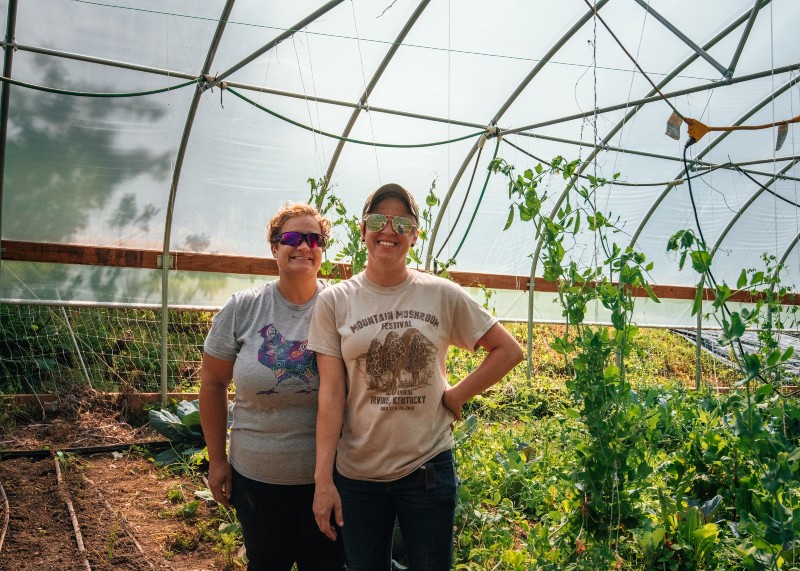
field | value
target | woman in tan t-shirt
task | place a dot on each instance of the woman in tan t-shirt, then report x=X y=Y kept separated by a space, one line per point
x=385 y=406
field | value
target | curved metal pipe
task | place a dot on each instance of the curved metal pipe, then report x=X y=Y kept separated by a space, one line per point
x=176 y=175
x=503 y=108
x=747 y=204
x=368 y=90
x=286 y=34
x=688 y=61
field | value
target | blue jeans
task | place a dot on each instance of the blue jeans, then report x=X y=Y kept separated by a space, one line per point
x=423 y=503
x=279 y=527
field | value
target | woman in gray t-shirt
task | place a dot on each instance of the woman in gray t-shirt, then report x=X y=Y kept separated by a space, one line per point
x=259 y=339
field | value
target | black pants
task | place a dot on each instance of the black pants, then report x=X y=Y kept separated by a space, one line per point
x=279 y=528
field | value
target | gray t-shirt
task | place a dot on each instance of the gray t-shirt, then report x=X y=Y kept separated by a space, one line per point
x=277 y=381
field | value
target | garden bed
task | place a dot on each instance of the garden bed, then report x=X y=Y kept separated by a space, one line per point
x=131 y=514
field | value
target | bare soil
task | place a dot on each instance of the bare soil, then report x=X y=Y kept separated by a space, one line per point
x=128 y=509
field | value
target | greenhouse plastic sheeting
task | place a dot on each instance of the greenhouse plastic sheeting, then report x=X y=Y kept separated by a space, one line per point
x=555 y=78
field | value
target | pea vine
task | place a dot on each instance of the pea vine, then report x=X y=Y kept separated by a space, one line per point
x=613 y=455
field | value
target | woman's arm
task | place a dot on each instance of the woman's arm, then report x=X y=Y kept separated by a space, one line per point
x=215 y=377
x=503 y=354
x=332 y=394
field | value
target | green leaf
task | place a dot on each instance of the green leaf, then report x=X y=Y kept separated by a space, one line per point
x=618 y=319
x=230 y=527
x=167 y=457
x=189 y=409
x=170 y=425
x=698 y=299
x=742 y=281
x=752 y=366
x=701 y=261
x=733 y=330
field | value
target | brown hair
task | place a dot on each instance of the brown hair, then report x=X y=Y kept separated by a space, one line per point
x=283 y=215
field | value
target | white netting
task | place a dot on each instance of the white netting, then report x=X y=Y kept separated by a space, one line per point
x=53 y=348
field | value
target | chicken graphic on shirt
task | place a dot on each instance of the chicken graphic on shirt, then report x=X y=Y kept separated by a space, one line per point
x=288 y=360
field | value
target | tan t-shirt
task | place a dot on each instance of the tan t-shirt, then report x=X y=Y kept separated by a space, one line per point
x=394 y=343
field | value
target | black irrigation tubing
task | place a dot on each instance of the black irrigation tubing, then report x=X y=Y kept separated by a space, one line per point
x=90 y=94
x=346 y=139
x=611 y=182
x=154 y=444
x=463 y=204
x=767 y=189
x=480 y=199
x=712 y=279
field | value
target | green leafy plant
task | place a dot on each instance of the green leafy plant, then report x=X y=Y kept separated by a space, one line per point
x=111 y=542
x=426 y=221
x=613 y=458
x=183 y=430
x=351 y=249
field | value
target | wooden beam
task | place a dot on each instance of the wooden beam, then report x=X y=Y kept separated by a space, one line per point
x=252 y=265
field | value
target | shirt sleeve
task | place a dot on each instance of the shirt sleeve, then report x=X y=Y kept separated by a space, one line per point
x=323 y=336
x=222 y=341
x=470 y=321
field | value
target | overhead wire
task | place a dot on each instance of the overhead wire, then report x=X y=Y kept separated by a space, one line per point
x=794 y=186
x=318 y=147
x=366 y=40
x=772 y=110
x=647 y=77
x=365 y=102
x=794 y=203
x=612 y=182
x=630 y=91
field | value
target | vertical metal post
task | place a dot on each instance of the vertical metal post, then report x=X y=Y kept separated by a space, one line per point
x=698 y=343
x=166 y=258
x=5 y=94
x=531 y=291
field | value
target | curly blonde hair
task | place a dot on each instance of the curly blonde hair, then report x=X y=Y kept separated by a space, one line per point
x=283 y=215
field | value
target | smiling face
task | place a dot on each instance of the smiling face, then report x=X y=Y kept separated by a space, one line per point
x=387 y=249
x=301 y=261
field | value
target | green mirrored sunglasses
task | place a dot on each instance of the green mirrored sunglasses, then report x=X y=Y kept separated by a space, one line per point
x=377 y=222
